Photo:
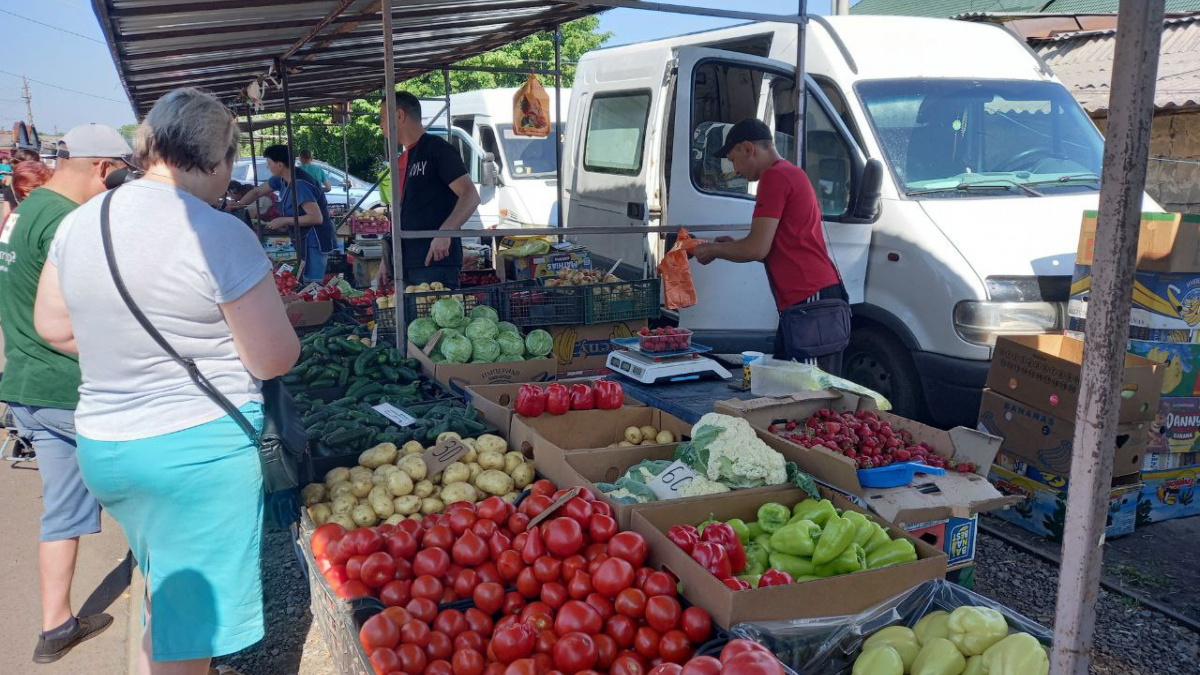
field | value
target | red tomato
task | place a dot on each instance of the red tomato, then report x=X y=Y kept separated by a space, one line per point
x=663 y=612
x=404 y=569
x=613 y=576
x=489 y=597
x=460 y=520
x=554 y=594
x=578 y=617
x=395 y=593
x=452 y=571
x=470 y=640
x=753 y=662
x=628 y=663
x=563 y=537
x=412 y=659
x=596 y=552
x=522 y=667
x=544 y=663
x=606 y=650
x=631 y=602
x=533 y=547
x=666 y=669
x=440 y=646
x=385 y=660
x=465 y=583
x=702 y=665
x=696 y=624
x=468 y=662
x=438 y=536
x=488 y=572
x=495 y=669
x=527 y=584
x=645 y=641
x=630 y=547
x=580 y=585
x=385 y=531
x=415 y=632
x=533 y=505
x=545 y=642
x=547 y=568
x=658 y=583
x=601 y=508
x=470 y=549
x=541 y=487
x=354 y=567
x=602 y=605
x=422 y=609
x=336 y=576
x=378 y=569
x=675 y=647
x=478 y=621
x=622 y=629
x=339 y=552
x=363 y=541
x=601 y=528
x=353 y=589
x=323 y=535
x=513 y=603
x=518 y=522
x=402 y=544
x=539 y=615
x=509 y=564
x=439 y=667
x=379 y=632
x=513 y=642
x=572 y=565
x=410 y=526
x=432 y=561
x=577 y=509
x=427 y=586
x=484 y=528
x=451 y=622
x=737 y=647
x=398 y=615
x=498 y=543
x=494 y=509
x=575 y=652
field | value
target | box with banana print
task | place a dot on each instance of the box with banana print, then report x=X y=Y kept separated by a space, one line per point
x=1161 y=300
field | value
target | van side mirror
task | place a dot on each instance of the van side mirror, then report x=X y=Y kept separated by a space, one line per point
x=866 y=194
x=491 y=172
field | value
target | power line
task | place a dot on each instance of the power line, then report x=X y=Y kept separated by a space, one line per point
x=73 y=91
x=52 y=27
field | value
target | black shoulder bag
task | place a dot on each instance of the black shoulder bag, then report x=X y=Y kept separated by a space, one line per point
x=282 y=441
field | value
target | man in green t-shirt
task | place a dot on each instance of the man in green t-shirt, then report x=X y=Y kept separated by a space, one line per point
x=315 y=171
x=41 y=384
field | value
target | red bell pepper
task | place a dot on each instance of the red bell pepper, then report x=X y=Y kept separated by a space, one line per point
x=609 y=395
x=736 y=584
x=558 y=399
x=712 y=558
x=723 y=535
x=583 y=397
x=531 y=401
x=774 y=577
x=684 y=536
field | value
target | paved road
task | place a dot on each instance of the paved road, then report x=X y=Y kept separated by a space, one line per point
x=101 y=584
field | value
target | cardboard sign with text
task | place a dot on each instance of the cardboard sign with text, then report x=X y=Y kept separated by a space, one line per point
x=442 y=455
x=459 y=376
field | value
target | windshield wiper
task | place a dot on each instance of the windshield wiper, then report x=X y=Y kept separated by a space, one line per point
x=989 y=184
x=1070 y=178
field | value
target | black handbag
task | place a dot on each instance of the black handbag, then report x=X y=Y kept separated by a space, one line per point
x=815 y=329
x=282 y=441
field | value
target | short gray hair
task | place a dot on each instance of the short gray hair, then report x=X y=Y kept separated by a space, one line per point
x=187 y=129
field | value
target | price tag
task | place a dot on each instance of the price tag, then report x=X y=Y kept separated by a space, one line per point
x=284 y=268
x=396 y=415
x=443 y=455
x=666 y=484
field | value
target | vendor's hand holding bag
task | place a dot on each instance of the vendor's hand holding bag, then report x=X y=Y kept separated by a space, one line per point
x=282 y=441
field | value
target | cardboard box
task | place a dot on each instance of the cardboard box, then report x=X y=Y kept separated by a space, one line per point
x=1161 y=300
x=1176 y=427
x=1161 y=461
x=547 y=265
x=1167 y=242
x=459 y=376
x=929 y=498
x=1059 y=481
x=1042 y=508
x=583 y=350
x=1168 y=494
x=304 y=314
x=955 y=536
x=1043 y=371
x=495 y=401
x=834 y=596
x=1180 y=364
x=546 y=438
x=1046 y=441
x=365 y=269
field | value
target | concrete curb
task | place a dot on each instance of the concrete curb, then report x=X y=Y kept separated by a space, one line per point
x=133 y=632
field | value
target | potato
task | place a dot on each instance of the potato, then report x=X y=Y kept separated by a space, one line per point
x=381 y=500
x=447 y=435
x=399 y=484
x=633 y=435
x=491 y=460
x=344 y=520
x=512 y=460
x=475 y=471
x=648 y=433
x=416 y=517
x=511 y=497
x=414 y=466
x=470 y=456
x=339 y=475
x=423 y=489
x=373 y=458
x=320 y=513
x=344 y=504
x=456 y=472
x=625 y=444
x=361 y=487
x=522 y=475
x=364 y=516
x=360 y=472
x=314 y=493
x=340 y=490
x=395 y=519
x=664 y=436
x=413 y=448
x=386 y=470
x=491 y=443
x=407 y=505
x=459 y=492
x=431 y=505
x=648 y=441
x=494 y=482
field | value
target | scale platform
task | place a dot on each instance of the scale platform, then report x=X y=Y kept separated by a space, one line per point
x=674 y=366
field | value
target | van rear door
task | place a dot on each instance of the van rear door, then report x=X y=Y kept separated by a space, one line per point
x=715 y=89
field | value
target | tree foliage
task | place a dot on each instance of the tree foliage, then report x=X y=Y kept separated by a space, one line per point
x=364 y=139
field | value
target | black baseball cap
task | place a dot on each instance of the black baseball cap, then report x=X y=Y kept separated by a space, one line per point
x=749 y=129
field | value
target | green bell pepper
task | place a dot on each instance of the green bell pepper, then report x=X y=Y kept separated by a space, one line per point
x=850 y=560
x=794 y=565
x=895 y=552
x=739 y=526
x=817 y=511
x=798 y=538
x=879 y=537
x=757 y=558
x=755 y=529
x=836 y=536
x=763 y=540
x=772 y=516
x=862 y=527
x=808 y=577
x=751 y=579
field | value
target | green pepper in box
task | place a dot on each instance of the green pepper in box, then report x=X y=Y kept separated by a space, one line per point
x=836 y=536
x=796 y=538
x=755 y=530
x=793 y=565
x=879 y=661
x=816 y=511
x=1017 y=654
x=852 y=559
x=862 y=527
x=757 y=558
x=879 y=537
x=939 y=656
x=739 y=526
x=895 y=552
x=772 y=516
x=974 y=629
x=903 y=640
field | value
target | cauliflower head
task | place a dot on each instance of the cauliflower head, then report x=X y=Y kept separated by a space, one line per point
x=735 y=455
x=702 y=486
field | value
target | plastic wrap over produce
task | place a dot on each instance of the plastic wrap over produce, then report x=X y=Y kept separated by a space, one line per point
x=829 y=645
x=769 y=377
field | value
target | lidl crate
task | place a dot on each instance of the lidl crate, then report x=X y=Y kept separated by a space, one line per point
x=622 y=301
x=542 y=305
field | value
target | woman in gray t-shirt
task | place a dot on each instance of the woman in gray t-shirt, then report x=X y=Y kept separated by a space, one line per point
x=180 y=475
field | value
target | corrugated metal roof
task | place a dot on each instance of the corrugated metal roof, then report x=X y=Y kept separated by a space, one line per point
x=334 y=47
x=949 y=8
x=1083 y=61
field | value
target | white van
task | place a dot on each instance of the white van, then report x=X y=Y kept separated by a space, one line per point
x=517 y=185
x=952 y=168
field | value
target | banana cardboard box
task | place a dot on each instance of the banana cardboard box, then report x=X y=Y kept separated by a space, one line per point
x=1176 y=427
x=1161 y=461
x=583 y=350
x=1181 y=365
x=1168 y=494
x=1043 y=509
x=1161 y=301
x=1167 y=242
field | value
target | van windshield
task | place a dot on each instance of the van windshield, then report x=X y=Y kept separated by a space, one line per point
x=528 y=157
x=951 y=138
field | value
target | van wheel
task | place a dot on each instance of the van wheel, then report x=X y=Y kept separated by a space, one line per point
x=878 y=360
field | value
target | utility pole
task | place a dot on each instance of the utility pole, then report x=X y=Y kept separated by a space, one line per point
x=840 y=7
x=28 y=99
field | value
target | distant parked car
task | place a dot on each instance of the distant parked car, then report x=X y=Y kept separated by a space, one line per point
x=347 y=188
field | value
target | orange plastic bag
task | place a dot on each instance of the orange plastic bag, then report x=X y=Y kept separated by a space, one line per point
x=531 y=109
x=676 y=274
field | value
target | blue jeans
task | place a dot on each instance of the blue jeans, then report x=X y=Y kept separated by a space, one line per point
x=68 y=509
x=315 y=262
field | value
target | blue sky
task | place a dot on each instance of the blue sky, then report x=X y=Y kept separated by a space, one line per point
x=72 y=78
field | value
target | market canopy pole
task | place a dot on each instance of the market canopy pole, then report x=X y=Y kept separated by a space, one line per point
x=558 y=139
x=1126 y=153
x=798 y=98
x=389 y=106
x=301 y=246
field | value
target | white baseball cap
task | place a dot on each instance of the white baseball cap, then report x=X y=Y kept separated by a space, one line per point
x=94 y=140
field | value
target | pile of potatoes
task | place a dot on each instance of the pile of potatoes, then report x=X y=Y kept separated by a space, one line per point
x=646 y=435
x=390 y=484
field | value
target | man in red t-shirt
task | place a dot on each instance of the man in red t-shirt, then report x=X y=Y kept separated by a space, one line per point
x=786 y=232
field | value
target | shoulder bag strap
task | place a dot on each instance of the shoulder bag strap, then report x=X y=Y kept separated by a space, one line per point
x=188 y=364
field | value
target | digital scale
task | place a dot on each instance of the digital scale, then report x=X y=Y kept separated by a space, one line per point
x=653 y=367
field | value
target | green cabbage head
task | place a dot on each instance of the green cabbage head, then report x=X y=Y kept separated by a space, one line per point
x=485 y=350
x=447 y=312
x=539 y=343
x=420 y=330
x=484 y=312
x=456 y=349
x=481 y=328
x=511 y=344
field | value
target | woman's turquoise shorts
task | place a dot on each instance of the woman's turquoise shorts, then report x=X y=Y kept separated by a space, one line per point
x=191 y=505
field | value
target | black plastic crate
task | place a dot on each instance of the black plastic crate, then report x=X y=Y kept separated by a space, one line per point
x=418 y=305
x=541 y=305
x=622 y=301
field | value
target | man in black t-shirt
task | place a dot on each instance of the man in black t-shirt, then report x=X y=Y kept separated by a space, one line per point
x=436 y=194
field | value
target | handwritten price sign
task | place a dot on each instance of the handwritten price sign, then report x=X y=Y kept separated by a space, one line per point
x=667 y=484
x=443 y=455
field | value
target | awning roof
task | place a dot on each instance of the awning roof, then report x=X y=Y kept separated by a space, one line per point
x=334 y=48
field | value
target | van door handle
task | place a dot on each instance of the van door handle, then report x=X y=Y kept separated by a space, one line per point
x=635 y=210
